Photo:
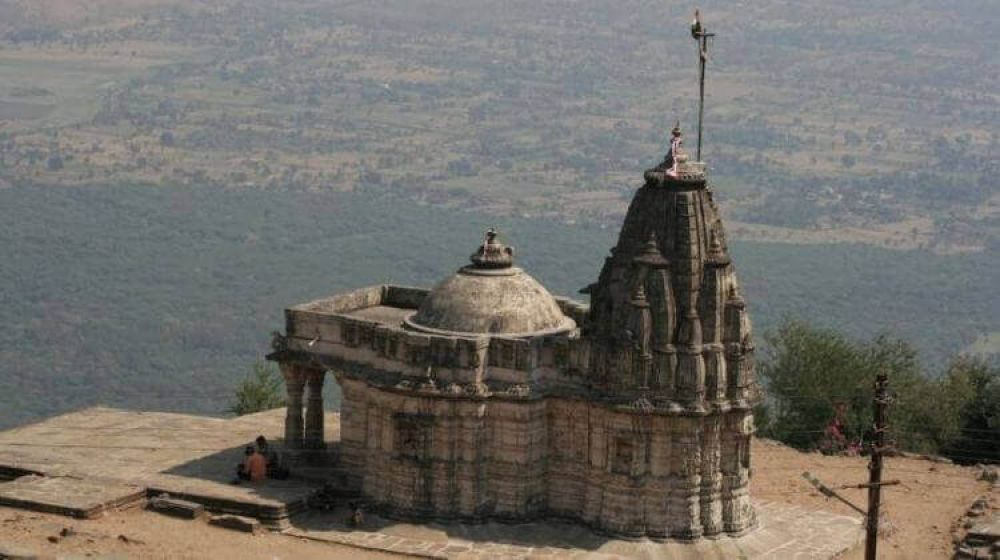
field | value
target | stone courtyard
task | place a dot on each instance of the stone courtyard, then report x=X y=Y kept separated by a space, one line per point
x=108 y=459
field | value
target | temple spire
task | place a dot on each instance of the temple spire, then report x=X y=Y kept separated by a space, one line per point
x=700 y=33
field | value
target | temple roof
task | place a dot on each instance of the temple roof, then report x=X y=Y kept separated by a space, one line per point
x=490 y=296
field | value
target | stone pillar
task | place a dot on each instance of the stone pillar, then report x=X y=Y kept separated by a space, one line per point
x=716 y=383
x=736 y=333
x=684 y=499
x=711 y=477
x=737 y=513
x=294 y=384
x=314 y=410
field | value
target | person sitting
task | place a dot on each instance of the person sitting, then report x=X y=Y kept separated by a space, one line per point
x=253 y=468
x=357 y=518
x=265 y=449
x=274 y=467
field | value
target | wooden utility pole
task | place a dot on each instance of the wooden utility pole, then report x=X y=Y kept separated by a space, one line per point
x=875 y=467
x=877 y=447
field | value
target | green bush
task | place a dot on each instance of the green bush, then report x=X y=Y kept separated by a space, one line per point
x=978 y=439
x=261 y=390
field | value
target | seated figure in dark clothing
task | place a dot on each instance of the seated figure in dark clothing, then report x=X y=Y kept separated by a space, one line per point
x=275 y=469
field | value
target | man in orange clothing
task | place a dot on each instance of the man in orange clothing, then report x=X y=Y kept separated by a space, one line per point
x=253 y=467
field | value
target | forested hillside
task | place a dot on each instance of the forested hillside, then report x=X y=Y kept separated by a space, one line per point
x=162 y=298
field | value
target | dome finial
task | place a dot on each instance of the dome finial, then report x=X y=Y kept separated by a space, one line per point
x=492 y=253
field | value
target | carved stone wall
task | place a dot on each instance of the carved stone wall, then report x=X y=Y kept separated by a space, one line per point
x=624 y=472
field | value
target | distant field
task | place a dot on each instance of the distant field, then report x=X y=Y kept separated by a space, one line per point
x=162 y=298
x=874 y=123
x=21 y=110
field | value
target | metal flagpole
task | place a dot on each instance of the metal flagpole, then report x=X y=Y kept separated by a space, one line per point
x=700 y=34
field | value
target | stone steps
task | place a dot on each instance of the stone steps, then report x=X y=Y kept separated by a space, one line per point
x=175 y=507
x=982 y=540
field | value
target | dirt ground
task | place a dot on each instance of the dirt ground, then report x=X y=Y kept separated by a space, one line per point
x=922 y=513
x=149 y=535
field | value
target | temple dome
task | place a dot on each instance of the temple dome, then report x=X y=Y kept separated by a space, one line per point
x=490 y=296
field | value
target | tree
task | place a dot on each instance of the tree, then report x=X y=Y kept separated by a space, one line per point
x=978 y=383
x=808 y=371
x=260 y=390
x=805 y=372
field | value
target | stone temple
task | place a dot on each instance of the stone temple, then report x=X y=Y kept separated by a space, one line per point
x=487 y=398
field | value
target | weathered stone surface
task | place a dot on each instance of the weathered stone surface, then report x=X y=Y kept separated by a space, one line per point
x=189 y=457
x=75 y=497
x=785 y=533
x=990 y=473
x=12 y=552
x=985 y=533
x=237 y=523
x=490 y=296
x=176 y=507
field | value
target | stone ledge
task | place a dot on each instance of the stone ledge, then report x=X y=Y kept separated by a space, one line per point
x=175 y=507
x=237 y=523
x=73 y=497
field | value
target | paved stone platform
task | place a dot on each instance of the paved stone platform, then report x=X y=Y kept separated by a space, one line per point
x=784 y=532
x=75 y=497
x=91 y=455
x=190 y=457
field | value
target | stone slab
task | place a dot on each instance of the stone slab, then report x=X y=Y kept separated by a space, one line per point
x=10 y=473
x=237 y=523
x=176 y=507
x=75 y=497
x=989 y=530
x=11 y=552
x=985 y=533
x=187 y=456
